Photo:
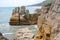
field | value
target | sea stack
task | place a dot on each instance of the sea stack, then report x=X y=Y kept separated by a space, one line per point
x=2 y=37
x=21 y=16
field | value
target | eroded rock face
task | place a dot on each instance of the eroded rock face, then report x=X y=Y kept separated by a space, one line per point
x=44 y=30
x=21 y=15
x=24 y=34
x=51 y=17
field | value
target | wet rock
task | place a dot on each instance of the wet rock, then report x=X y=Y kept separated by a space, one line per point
x=24 y=34
x=2 y=37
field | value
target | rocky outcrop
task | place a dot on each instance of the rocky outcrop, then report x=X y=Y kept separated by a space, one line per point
x=2 y=37
x=44 y=30
x=22 y=16
x=51 y=17
x=24 y=34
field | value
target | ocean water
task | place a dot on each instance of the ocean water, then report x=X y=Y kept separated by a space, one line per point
x=9 y=31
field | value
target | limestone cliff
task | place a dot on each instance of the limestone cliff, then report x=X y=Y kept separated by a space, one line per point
x=51 y=17
x=24 y=34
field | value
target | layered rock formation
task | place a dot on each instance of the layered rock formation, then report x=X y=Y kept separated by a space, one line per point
x=51 y=17
x=24 y=34
x=22 y=16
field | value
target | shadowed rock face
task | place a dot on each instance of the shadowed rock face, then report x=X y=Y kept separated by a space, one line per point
x=2 y=37
x=1 y=34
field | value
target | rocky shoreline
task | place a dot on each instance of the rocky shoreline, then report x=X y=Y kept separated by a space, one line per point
x=2 y=37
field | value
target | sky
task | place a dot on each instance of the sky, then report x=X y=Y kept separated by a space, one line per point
x=15 y=3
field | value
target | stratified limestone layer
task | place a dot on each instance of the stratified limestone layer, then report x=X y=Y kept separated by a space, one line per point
x=22 y=16
x=24 y=34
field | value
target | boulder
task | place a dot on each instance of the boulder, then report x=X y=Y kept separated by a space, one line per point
x=2 y=37
x=24 y=34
